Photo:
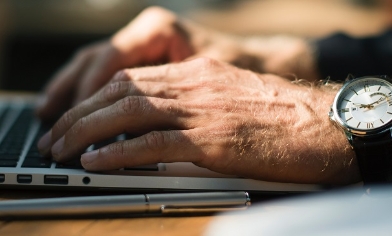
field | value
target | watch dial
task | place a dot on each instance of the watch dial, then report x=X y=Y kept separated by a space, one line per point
x=365 y=104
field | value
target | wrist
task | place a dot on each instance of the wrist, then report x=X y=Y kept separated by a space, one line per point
x=333 y=149
x=301 y=144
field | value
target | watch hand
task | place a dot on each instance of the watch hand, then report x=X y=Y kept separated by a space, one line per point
x=380 y=101
x=360 y=105
x=371 y=105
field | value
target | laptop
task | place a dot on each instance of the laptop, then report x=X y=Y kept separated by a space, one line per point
x=21 y=165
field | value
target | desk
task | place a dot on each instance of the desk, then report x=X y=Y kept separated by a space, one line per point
x=85 y=227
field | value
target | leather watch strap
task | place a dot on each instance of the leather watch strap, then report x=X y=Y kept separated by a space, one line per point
x=374 y=158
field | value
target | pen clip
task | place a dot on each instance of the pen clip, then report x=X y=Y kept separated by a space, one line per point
x=207 y=209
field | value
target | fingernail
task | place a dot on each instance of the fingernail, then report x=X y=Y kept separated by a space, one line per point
x=45 y=142
x=89 y=157
x=58 y=147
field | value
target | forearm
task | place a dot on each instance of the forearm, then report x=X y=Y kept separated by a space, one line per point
x=336 y=56
x=287 y=56
x=290 y=57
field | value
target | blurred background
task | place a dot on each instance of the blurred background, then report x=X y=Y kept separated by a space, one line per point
x=38 y=36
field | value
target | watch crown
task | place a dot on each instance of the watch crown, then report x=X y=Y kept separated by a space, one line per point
x=330 y=113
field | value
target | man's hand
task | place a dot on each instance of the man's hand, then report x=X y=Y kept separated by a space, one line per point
x=210 y=113
x=158 y=36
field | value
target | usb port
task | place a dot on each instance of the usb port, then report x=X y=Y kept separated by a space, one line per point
x=56 y=179
x=24 y=179
x=2 y=178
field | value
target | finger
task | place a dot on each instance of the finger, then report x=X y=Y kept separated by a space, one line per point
x=109 y=61
x=106 y=63
x=129 y=115
x=116 y=90
x=173 y=72
x=60 y=91
x=107 y=96
x=151 y=148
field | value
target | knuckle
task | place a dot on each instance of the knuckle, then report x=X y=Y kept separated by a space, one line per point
x=206 y=62
x=131 y=105
x=121 y=76
x=114 y=91
x=155 y=140
x=117 y=149
x=66 y=121
x=134 y=74
x=80 y=125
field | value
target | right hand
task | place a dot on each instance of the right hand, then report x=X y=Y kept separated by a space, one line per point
x=220 y=117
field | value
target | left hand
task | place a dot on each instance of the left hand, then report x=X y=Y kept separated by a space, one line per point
x=217 y=116
x=158 y=36
x=154 y=37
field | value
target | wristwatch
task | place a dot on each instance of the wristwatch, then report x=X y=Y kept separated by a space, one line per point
x=363 y=109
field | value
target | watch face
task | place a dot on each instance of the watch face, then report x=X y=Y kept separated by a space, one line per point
x=364 y=104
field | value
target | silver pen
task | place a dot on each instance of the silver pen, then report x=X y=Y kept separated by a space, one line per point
x=165 y=203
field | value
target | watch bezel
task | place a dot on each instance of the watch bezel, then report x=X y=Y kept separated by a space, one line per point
x=333 y=114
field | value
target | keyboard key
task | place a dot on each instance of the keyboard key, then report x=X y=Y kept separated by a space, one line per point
x=33 y=158
x=8 y=163
x=12 y=144
x=40 y=162
x=9 y=157
x=10 y=152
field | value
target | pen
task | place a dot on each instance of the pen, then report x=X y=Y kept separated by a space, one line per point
x=165 y=203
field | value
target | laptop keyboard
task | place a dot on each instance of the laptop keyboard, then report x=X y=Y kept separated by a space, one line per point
x=12 y=144
x=19 y=134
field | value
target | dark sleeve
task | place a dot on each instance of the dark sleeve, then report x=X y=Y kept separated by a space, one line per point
x=340 y=55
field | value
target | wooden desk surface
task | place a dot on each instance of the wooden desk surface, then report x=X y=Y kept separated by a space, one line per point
x=85 y=227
